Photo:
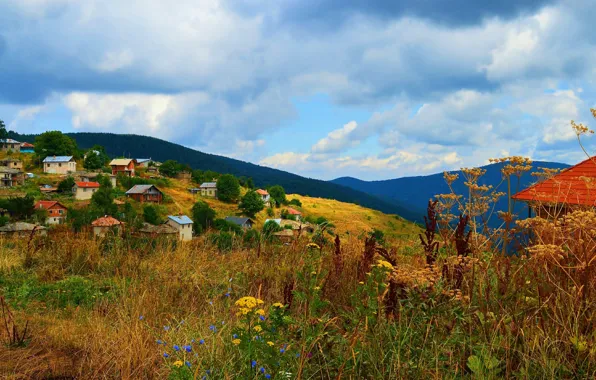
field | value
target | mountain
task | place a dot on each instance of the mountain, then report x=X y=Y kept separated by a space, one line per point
x=148 y=147
x=416 y=191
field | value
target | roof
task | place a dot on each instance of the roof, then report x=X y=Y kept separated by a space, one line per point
x=106 y=221
x=291 y=211
x=205 y=185
x=180 y=219
x=121 y=161
x=57 y=159
x=278 y=221
x=575 y=185
x=4 y=169
x=142 y=160
x=159 y=229
x=262 y=192
x=141 y=189
x=27 y=145
x=90 y=185
x=48 y=204
x=238 y=220
x=20 y=226
x=9 y=141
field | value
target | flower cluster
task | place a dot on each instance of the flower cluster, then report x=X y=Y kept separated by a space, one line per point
x=248 y=304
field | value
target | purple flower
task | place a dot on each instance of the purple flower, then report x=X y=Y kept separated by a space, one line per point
x=141 y=318
x=262 y=317
x=213 y=328
x=166 y=328
x=188 y=348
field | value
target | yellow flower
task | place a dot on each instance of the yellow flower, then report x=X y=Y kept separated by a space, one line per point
x=313 y=272
x=313 y=245
x=258 y=328
x=247 y=302
x=361 y=283
x=278 y=305
x=384 y=264
x=236 y=341
x=317 y=288
x=271 y=344
x=260 y=302
x=260 y=312
x=178 y=363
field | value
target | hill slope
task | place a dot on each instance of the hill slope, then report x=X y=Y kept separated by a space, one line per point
x=160 y=150
x=416 y=191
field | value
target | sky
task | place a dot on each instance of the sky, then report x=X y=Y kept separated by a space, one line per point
x=327 y=88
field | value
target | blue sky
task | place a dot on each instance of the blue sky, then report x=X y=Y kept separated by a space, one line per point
x=327 y=88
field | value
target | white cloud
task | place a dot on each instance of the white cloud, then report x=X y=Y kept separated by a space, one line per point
x=336 y=140
x=113 y=61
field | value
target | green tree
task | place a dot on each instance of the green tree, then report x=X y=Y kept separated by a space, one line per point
x=170 y=168
x=3 y=132
x=278 y=194
x=295 y=202
x=19 y=207
x=54 y=143
x=228 y=188
x=65 y=186
x=130 y=216
x=250 y=183
x=251 y=204
x=103 y=201
x=96 y=158
x=151 y=215
x=202 y=216
x=270 y=227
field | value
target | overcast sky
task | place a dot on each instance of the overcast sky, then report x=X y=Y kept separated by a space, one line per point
x=372 y=89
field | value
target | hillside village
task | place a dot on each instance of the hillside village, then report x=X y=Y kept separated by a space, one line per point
x=52 y=185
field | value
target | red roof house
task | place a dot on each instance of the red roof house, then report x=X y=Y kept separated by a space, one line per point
x=105 y=224
x=574 y=186
x=294 y=212
x=264 y=195
x=84 y=190
x=56 y=211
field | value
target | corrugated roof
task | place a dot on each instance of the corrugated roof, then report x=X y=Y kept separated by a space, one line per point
x=140 y=189
x=121 y=161
x=180 y=219
x=574 y=185
x=9 y=141
x=206 y=185
x=89 y=184
x=57 y=159
x=106 y=221
x=48 y=204
x=142 y=160
x=238 y=220
x=20 y=227
x=27 y=145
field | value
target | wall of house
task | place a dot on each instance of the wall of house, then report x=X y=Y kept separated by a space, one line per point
x=84 y=193
x=101 y=231
x=12 y=147
x=59 y=167
x=56 y=215
x=209 y=192
x=184 y=230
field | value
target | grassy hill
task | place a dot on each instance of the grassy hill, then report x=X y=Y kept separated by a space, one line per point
x=160 y=150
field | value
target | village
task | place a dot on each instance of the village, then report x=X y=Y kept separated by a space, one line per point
x=111 y=196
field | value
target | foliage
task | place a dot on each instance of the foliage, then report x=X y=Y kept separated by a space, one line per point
x=130 y=216
x=103 y=201
x=54 y=143
x=378 y=235
x=151 y=215
x=278 y=194
x=19 y=207
x=171 y=168
x=295 y=202
x=286 y=215
x=251 y=238
x=3 y=132
x=127 y=182
x=202 y=216
x=251 y=204
x=96 y=158
x=271 y=227
x=66 y=185
x=200 y=176
x=270 y=212
x=228 y=188
x=82 y=217
x=224 y=225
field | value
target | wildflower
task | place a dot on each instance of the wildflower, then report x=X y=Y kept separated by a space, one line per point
x=213 y=328
x=248 y=303
x=313 y=246
x=178 y=363
x=262 y=369
x=166 y=328
x=361 y=282
x=282 y=350
x=166 y=355
x=187 y=348
x=260 y=312
x=385 y=265
x=211 y=303
x=159 y=341
x=187 y=364
x=176 y=348
x=262 y=318
x=208 y=372
x=253 y=363
x=227 y=294
x=236 y=342
x=141 y=318
x=313 y=272
x=278 y=305
x=202 y=341
x=235 y=336
x=317 y=288
x=297 y=354
x=267 y=376
x=271 y=344
x=258 y=328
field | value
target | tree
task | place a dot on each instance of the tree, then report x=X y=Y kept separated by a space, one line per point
x=170 y=168
x=251 y=204
x=202 y=216
x=295 y=202
x=250 y=183
x=95 y=158
x=54 y=143
x=65 y=186
x=278 y=194
x=270 y=227
x=103 y=201
x=3 y=133
x=228 y=188
x=19 y=207
x=151 y=215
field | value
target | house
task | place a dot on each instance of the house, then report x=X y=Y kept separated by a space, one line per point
x=12 y=163
x=162 y=230
x=59 y=165
x=7 y=145
x=194 y=190
x=209 y=189
x=572 y=188
x=84 y=190
x=182 y=224
x=56 y=211
x=125 y=166
x=295 y=213
x=11 y=177
x=145 y=193
x=143 y=162
x=27 y=148
x=106 y=224
x=264 y=196
x=245 y=223
x=92 y=177
x=184 y=175
x=22 y=229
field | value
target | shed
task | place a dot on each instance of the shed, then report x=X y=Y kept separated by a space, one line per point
x=209 y=189
x=245 y=223
x=105 y=225
x=145 y=193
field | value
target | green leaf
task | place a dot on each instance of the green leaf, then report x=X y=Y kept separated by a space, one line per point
x=475 y=364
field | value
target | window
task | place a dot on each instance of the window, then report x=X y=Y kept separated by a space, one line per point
x=59 y=165
x=60 y=212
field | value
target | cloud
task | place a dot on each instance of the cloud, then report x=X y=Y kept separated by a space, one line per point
x=336 y=140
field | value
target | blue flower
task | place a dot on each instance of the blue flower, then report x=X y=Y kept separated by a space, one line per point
x=192 y=341
x=227 y=294
x=166 y=328
x=188 y=348
x=182 y=322
x=262 y=369
x=282 y=350
x=210 y=302
x=262 y=317
x=202 y=341
x=165 y=355
x=223 y=322
x=159 y=342
x=204 y=378
x=208 y=372
x=298 y=354
x=187 y=364
x=176 y=348
x=253 y=363
x=267 y=376
x=141 y=318
x=235 y=336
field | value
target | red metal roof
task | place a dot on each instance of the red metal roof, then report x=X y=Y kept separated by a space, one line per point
x=88 y=184
x=574 y=185
x=48 y=204
x=106 y=221
x=27 y=145
x=291 y=211
x=262 y=192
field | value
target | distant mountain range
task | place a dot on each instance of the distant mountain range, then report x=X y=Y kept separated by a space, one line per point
x=416 y=191
x=160 y=150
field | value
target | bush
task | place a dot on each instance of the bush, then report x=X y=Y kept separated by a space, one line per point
x=270 y=212
x=251 y=204
x=202 y=216
x=278 y=194
x=151 y=215
x=251 y=238
x=271 y=227
x=224 y=225
x=66 y=185
x=295 y=202
x=228 y=188
x=225 y=241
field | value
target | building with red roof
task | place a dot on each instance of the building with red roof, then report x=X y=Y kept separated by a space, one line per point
x=56 y=211
x=84 y=190
x=106 y=224
x=295 y=213
x=264 y=196
x=574 y=187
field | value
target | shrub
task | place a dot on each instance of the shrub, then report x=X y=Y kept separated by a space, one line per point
x=270 y=212
x=251 y=204
x=224 y=225
x=66 y=185
x=225 y=241
x=151 y=215
x=202 y=216
x=295 y=202
x=251 y=238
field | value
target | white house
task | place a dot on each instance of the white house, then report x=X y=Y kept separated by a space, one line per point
x=209 y=189
x=183 y=224
x=59 y=165
x=264 y=196
x=84 y=190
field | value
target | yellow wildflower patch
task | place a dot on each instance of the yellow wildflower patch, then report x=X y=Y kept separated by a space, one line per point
x=248 y=303
x=278 y=305
x=236 y=341
x=271 y=344
x=258 y=328
x=178 y=363
x=260 y=312
x=384 y=264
